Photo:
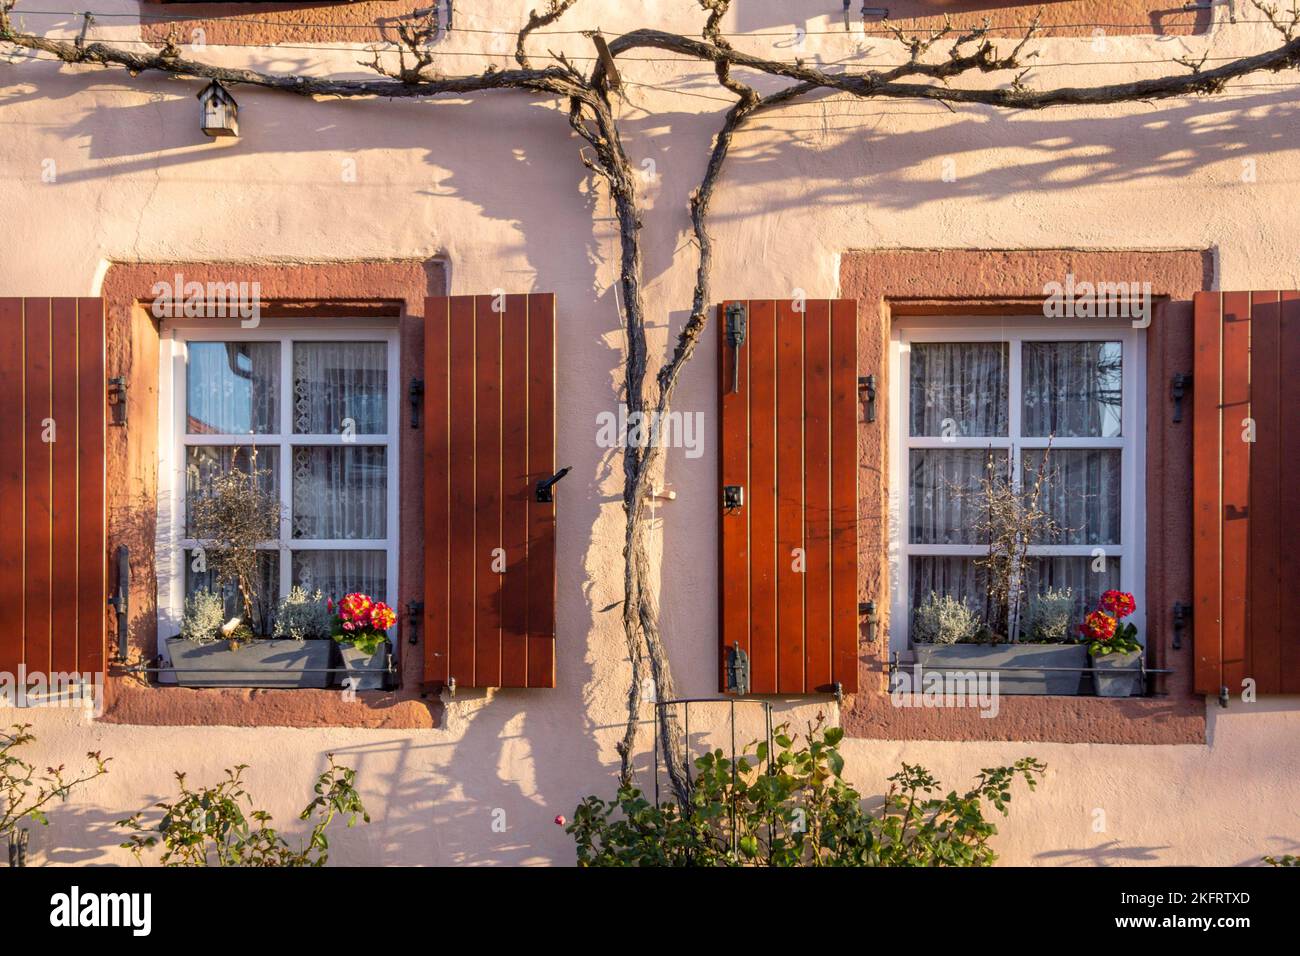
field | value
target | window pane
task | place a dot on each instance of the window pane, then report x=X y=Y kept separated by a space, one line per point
x=340 y=491
x=232 y=388
x=944 y=492
x=1082 y=490
x=341 y=572
x=955 y=577
x=1072 y=389
x=1075 y=573
x=265 y=600
x=337 y=381
x=959 y=389
x=204 y=462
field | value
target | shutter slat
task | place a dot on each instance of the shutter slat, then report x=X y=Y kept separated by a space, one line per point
x=541 y=465
x=514 y=492
x=11 y=483
x=1288 y=568
x=789 y=498
x=437 y=490
x=92 y=551
x=789 y=438
x=37 y=477
x=487 y=485
x=844 y=491
x=762 y=497
x=733 y=530
x=461 y=599
x=63 y=454
x=1236 y=483
x=1207 y=524
x=817 y=494
x=1265 y=490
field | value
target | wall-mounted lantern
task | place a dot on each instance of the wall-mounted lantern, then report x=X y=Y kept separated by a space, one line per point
x=218 y=111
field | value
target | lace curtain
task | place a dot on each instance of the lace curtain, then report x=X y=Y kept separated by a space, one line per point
x=233 y=388
x=334 y=382
x=1071 y=389
x=959 y=389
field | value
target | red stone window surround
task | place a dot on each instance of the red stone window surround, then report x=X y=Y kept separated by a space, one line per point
x=265 y=24
x=371 y=21
x=393 y=289
x=890 y=283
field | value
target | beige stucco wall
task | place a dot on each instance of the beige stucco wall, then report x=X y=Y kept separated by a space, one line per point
x=495 y=187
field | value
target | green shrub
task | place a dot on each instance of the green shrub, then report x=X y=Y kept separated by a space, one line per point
x=217 y=826
x=205 y=613
x=1050 y=615
x=302 y=615
x=943 y=619
x=797 y=810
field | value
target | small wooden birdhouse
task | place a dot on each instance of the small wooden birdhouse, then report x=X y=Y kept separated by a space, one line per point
x=218 y=111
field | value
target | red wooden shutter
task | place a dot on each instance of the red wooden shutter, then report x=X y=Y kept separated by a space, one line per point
x=489 y=438
x=1246 y=573
x=788 y=437
x=52 y=547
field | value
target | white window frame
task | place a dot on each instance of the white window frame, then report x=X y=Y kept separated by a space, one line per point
x=174 y=338
x=1131 y=550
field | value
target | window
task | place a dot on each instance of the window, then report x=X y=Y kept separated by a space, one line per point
x=974 y=399
x=315 y=412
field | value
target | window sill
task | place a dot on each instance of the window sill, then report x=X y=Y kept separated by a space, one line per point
x=131 y=699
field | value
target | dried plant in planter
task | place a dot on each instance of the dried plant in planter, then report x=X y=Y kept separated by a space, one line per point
x=235 y=515
x=1009 y=517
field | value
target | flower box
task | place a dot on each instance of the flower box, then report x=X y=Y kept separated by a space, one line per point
x=260 y=663
x=959 y=657
x=367 y=671
x=1126 y=681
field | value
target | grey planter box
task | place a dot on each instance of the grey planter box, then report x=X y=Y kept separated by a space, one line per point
x=282 y=663
x=367 y=670
x=957 y=657
x=1120 y=684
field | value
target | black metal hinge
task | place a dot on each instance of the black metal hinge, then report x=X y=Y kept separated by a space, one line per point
x=737 y=670
x=544 y=486
x=1178 y=387
x=1182 y=613
x=414 y=612
x=120 y=599
x=737 y=324
x=415 y=393
x=117 y=386
x=867 y=387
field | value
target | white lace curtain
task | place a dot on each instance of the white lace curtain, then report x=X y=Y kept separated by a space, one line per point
x=962 y=390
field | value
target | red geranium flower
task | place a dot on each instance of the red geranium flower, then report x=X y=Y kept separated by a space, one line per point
x=1119 y=603
x=1098 y=626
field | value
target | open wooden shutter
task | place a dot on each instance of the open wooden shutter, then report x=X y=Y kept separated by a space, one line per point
x=788 y=438
x=52 y=547
x=489 y=438
x=1246 y=448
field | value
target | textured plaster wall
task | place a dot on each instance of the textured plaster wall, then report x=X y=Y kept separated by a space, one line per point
x=495 y=189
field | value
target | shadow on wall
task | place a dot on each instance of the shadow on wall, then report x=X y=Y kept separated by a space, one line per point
x=1112 y=853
